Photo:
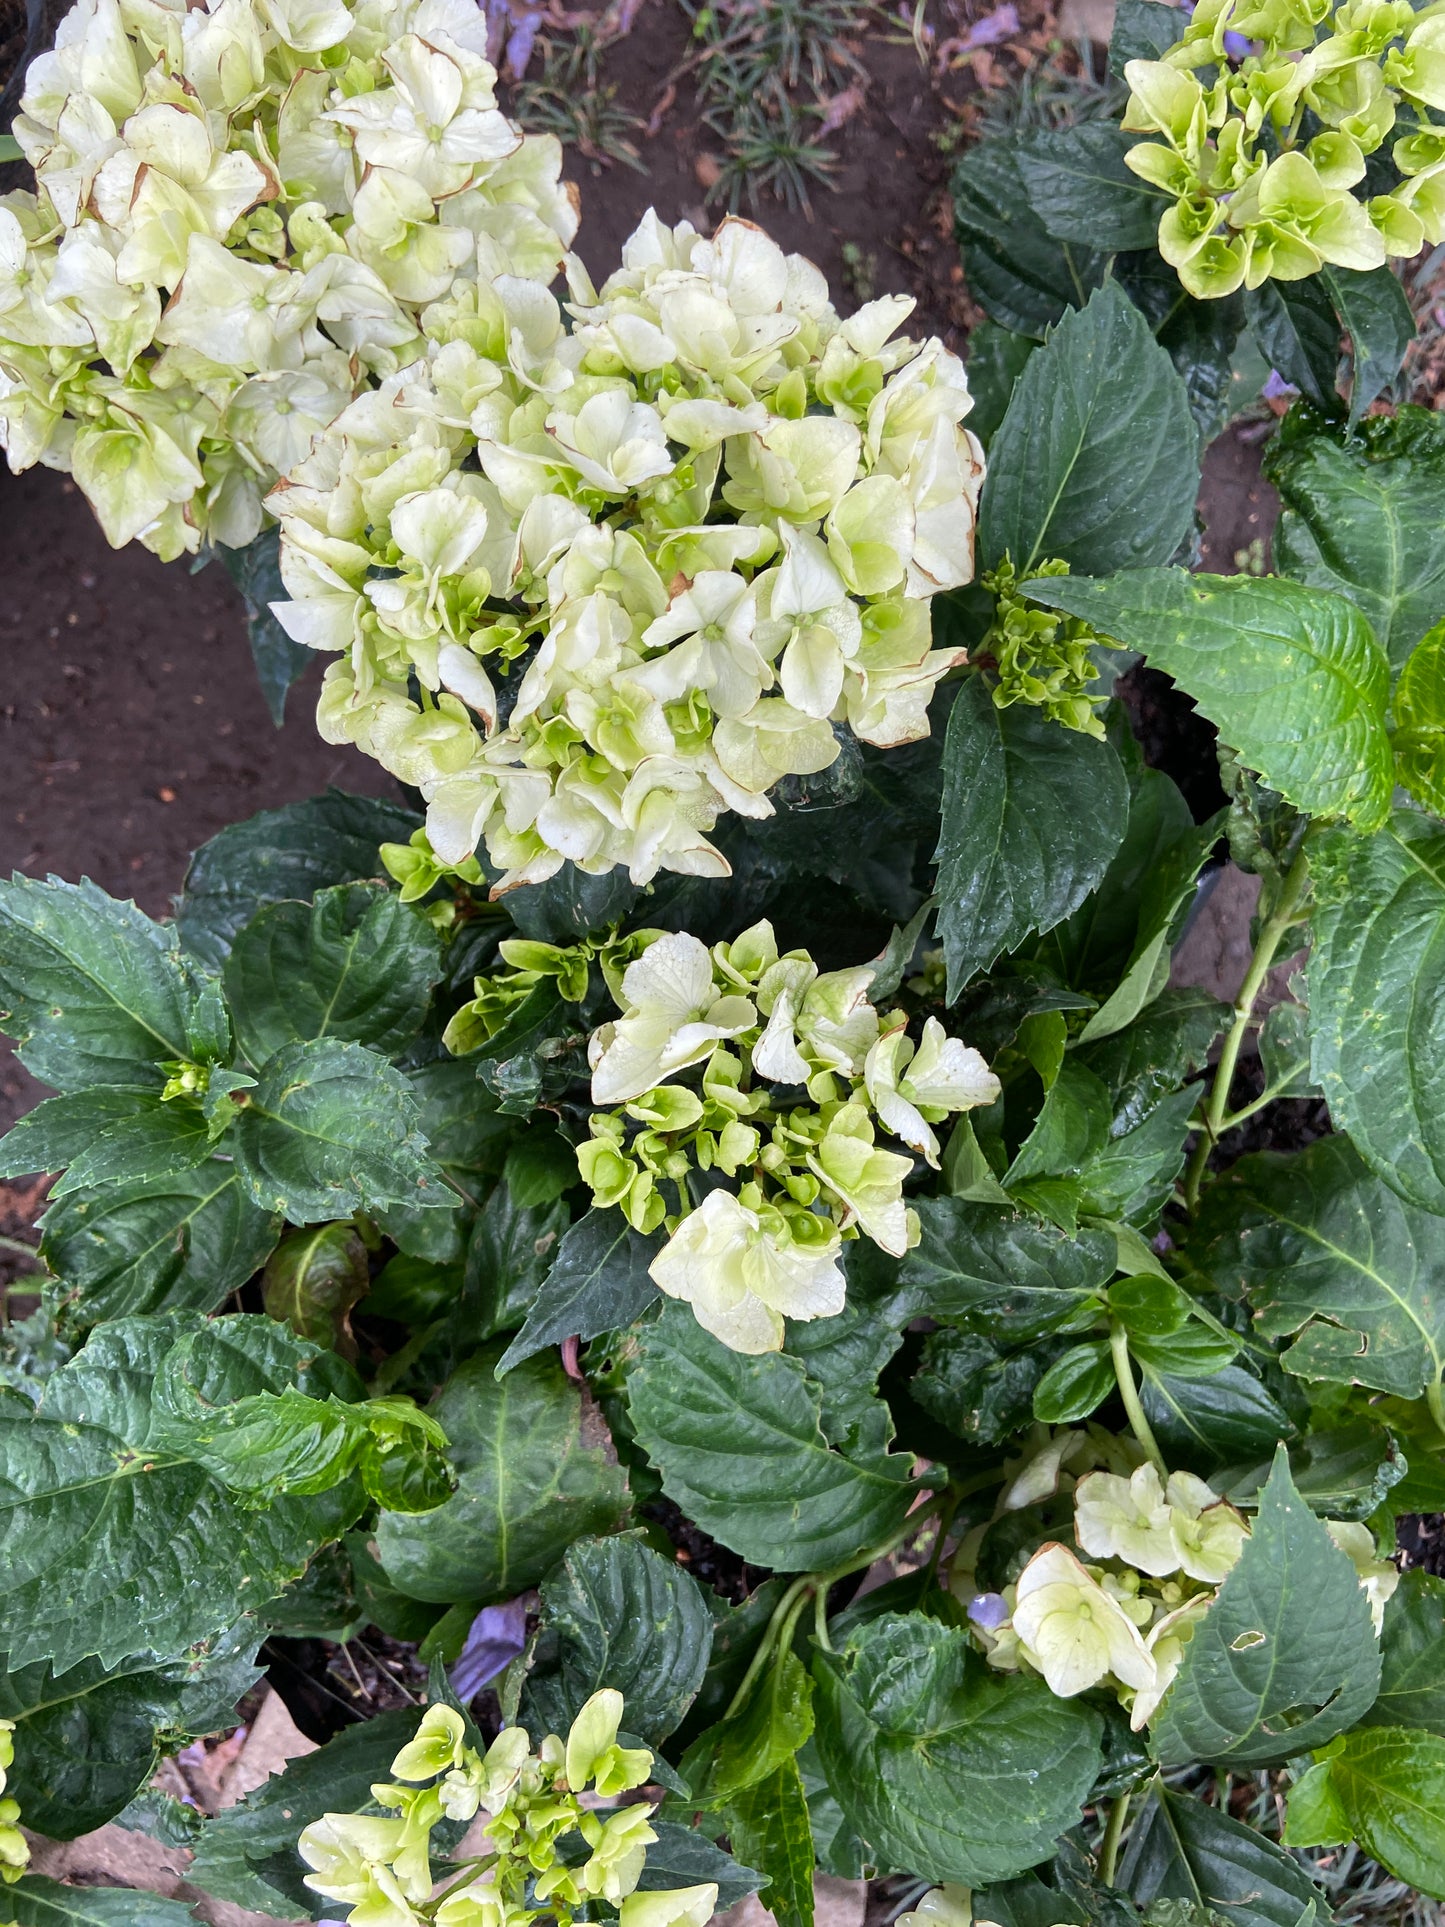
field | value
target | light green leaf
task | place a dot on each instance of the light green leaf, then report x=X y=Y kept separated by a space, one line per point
x=1379 y=953
x=741 y=1449
x=533 y=1476
x=112 y=1543
x=752 y=1744
x=1321 y=1248
x=1181 y=1849
x=1293 y=678
x=289 y=853
x=1094 y=463
x=1362 y=516
x=617 y=1614
x=90 y=989
x=1003 y=1274
x=1074 y=1385
x=597 y=1282
x=1420 y=720
x=768 y=1825
x=1412 y=1656
x=942 y=1766
x=183 y=1243
x=1286 y=1656
x=88 y=1740
x=1387 y=1786
x=331 y=1128
x=1032 y=815
x=357 y=963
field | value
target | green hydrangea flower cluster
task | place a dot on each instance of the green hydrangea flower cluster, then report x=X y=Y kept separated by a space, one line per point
x=591 y=586
x=1263 y=153
x=14 y=1847
x=1156 y=1548
x=243 y=210
x=795 y=1071
x=1042 y=655
x=538 y=1808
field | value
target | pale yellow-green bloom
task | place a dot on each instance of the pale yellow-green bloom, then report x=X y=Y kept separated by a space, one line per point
x=1070 y=1628
x=743 y=1277
x=1378 y=1577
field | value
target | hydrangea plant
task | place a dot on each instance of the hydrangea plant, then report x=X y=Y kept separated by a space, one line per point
x=722 y=1235
x=241 y=213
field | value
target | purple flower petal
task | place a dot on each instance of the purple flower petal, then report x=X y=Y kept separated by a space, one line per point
x=497 y=1635
x=989 y=1610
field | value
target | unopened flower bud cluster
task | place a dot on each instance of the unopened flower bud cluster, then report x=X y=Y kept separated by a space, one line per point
x=772 y=1082
x=1041 y=656
x=14 y=1847
x=595 y=575
x=1154 y=1553
x=1265 y=153
x=551 y=1855
x=243 y=209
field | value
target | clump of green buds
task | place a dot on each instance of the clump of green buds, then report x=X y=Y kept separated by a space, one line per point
x=554 y=1850
x=1263 y=153
x=1042 y=656
x=14 y=1847
x=763 y=1083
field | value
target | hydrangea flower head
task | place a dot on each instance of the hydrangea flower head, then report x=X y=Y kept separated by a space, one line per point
x=241 y=209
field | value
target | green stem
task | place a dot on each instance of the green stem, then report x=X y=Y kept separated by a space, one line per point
x=1113 y=1839
x=820 y=1619
x=1435 y=1399
x=1280 y=921
x=759 y=1659
x=22 y=1250
x=1129 y=1392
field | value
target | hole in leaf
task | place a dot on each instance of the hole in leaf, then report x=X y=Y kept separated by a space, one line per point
x=1247 y=1640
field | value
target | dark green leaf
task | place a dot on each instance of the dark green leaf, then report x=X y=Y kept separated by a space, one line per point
x=540 y=1166
x=531 y=1481
x=280 y=662
x=154 y=1144
x=1322 y=1249
x=356 y=963
x=1018 y=273
x=1363 y=516
x=1412 y=1656
x=1293 y=677
x=510 y=1252
x=1385 y=1788
x=768 y=1825
x=1298 y=331
x=1131 y=1177
x=943 y=1767
x=91 y=990
x=35 y=1901
x=1181 y=1849
x=182 y=1244
x=1379 y=950
x=287 y=853
x=617 y=1614
x=1340 y=1471
x=113 y=1543
x=1080 y=189
x=996 y=359
x=740 y=1446
x=1003 y=1274
x=598 y=1282
x=1285 y=1658
x=331 y=1128
x=1143 y=30
x=1200 y=337
x=1375 y=313
x=312 y=1280
x=685 y=1857
x=1087 y=465
x=1225 y=1415
x=976 y=1390
x=1032 y=815
x=87 y=1740
x=61 y=1129
x=248 y=1853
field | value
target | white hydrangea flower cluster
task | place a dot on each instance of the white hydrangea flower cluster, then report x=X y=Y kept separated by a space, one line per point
x=14 y=1847
x=795 y=1069
x=243 y=209
x=592 y=586
x=1157 y=1551
x=380 y=1865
